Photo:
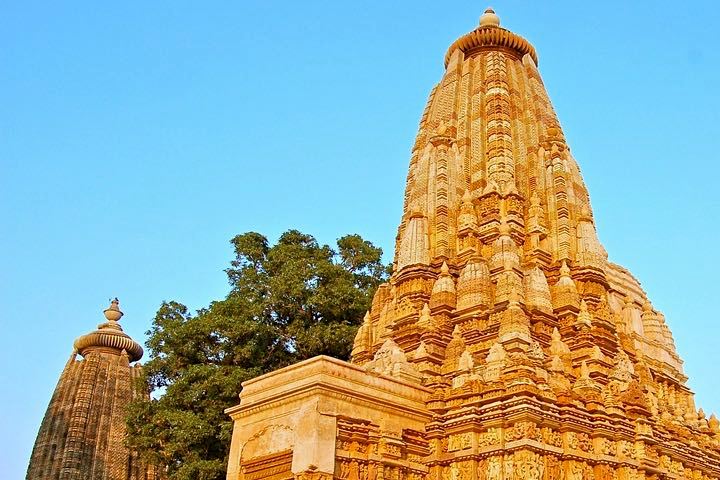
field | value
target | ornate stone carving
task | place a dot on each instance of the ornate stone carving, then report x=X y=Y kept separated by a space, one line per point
x=527 y=466
x=533 y=356
x=460 y=441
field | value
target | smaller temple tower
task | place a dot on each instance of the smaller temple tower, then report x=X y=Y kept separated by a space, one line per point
x=83 y=432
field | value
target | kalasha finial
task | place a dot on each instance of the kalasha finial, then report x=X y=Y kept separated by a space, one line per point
x=489 y=19
x=113 y=313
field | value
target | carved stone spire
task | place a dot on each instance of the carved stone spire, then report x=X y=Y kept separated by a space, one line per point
x=537 y=290
x=83 y=432
x=498 y=258
x=443 y=291
x=474 y=285
x=414 y=248
x=467 y=220
x=566 y=294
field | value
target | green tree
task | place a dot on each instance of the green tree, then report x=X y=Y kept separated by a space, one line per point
x=287 y=302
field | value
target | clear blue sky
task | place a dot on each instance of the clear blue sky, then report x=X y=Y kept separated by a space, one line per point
x=137 y=138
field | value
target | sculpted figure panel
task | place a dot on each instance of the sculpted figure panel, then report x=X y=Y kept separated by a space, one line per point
x=494 y=468
x=527 y=466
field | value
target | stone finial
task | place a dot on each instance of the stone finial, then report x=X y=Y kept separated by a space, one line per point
x=489 y=19
x=565 y=281
x=113 y=313
x=565 y=290
x=443 y=291
x=110 y=336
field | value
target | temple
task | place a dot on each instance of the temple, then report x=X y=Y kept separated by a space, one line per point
x=505 y=345
x=82 y=435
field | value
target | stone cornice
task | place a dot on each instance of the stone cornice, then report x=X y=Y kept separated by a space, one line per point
x=483 y=37
x=111 y=340
x=333 y=378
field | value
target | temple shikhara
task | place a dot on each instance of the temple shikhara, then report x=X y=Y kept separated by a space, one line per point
x=83 y=433
x=505 y=345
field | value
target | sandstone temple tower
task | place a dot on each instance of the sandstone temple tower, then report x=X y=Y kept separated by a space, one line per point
x=505 y=345
x=82 y=435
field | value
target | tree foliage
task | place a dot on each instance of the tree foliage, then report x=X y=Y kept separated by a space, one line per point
x=288 y=302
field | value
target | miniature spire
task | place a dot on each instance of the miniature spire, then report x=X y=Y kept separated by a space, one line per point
x=443 y=291
x=538 y=290
x=361 y=344
x=454 y=350
x=414 y=248
x=466 y=361
x=457 y=333
x=714 y=424
x=631 y=316
x=566 y=293
x=474 y=284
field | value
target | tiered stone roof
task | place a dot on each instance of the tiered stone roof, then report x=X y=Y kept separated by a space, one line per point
x=565 y=362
